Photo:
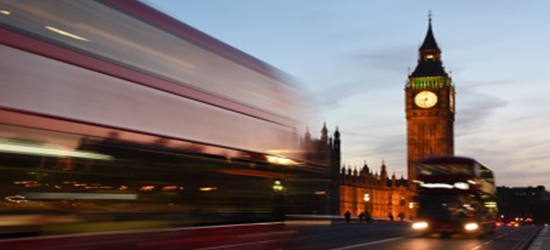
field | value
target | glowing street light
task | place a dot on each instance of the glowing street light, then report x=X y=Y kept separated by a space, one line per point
x=366 y=197
x=277 y=187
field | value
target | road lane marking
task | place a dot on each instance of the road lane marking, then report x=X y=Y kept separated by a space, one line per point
x=373 y=242
x=275 y=240
x=476 y=247
x=487 y=242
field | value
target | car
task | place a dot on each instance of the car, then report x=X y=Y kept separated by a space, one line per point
x=513 y=224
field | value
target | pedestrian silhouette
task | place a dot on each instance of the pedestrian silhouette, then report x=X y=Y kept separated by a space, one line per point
x=348 y=216
x=368 y=218
x=361 y=217
x=401 y=216
x=391 y=216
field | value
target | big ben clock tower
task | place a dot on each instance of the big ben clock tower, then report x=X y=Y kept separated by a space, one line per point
x=429 y=106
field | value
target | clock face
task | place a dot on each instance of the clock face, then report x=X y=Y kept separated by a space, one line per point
x=425 y=99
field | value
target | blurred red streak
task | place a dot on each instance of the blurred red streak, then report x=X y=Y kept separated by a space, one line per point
x=184 y=241
x=217 y=238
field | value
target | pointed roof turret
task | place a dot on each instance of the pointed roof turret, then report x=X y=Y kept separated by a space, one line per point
x=429 y=61
x=429 y=42
x=307 y=136
x=324 y=133
x=366 y=167
x=383 y=171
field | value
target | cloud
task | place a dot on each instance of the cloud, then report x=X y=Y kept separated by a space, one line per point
x=375 y=148
x=475 y=109
x=365 y=72
x=516 y=158
x=332 y=97
x=391 y=59
x=521 y=177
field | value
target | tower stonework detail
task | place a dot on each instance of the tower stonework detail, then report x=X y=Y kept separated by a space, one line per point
x=429 y=106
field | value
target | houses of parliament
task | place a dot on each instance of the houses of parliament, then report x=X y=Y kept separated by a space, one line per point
x=361 y=190
x=430 y=112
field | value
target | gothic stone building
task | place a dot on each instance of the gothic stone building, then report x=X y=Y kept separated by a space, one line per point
x=349 y=188
x=376 y=193
x=325 y=151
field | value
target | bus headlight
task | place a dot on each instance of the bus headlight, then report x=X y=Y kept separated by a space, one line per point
x=420 y=225
x=471 y=226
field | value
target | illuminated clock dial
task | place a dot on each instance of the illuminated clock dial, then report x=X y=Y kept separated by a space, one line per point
x=425 y=99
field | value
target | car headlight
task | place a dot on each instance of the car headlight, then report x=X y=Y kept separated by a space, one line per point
x=471 y=226
x=420 y=225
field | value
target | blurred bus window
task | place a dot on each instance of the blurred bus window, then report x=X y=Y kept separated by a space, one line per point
x=87 y=26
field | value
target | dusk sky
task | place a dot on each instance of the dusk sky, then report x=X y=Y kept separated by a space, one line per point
x=352 y=56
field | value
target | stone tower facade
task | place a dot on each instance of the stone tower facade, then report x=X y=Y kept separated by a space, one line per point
x=429 y=106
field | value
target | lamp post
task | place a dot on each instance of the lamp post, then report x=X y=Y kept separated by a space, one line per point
x=278 y=201
x=366 y=198
x=411 y=207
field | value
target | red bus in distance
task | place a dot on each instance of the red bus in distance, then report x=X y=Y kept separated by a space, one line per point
x=455 y=195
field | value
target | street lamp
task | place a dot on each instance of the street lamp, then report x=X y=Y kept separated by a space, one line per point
x=277 y=186
x=411 y=207
x=366 y=197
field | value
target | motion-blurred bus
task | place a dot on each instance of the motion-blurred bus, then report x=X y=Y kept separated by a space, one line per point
x=115 y=116
x=455 y=195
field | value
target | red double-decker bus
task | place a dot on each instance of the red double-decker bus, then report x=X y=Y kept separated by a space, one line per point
x=116 y=117
x=455 y=195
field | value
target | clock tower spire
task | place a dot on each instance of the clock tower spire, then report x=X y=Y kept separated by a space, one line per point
x=429 y=106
